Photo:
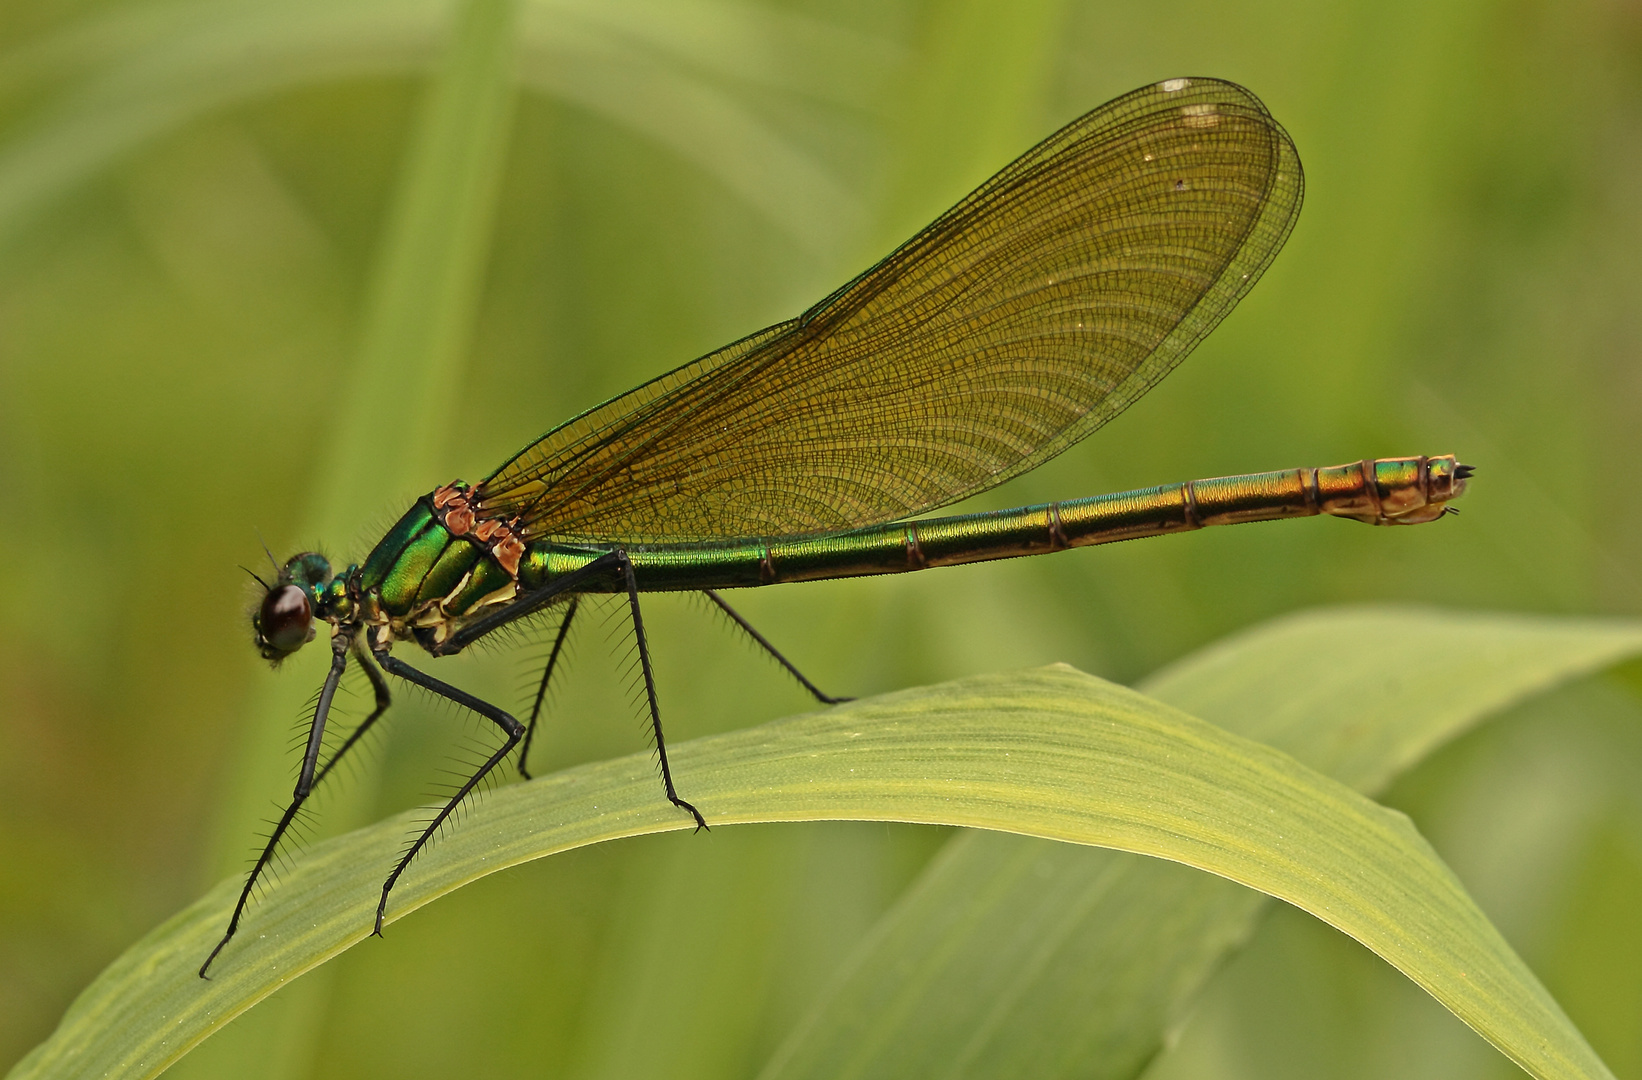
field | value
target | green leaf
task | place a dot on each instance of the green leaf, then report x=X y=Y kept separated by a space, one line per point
x=1051 y=753
x=1091 y=957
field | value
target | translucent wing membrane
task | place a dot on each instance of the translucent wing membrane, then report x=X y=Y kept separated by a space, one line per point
x=1020 y=321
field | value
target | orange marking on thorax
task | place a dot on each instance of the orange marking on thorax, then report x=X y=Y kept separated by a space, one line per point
x=507 y=552
x=456 y=514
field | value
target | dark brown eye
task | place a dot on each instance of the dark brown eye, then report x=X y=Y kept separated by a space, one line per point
x=286 y=619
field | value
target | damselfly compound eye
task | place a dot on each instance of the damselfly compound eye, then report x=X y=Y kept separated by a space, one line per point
x=285 y=621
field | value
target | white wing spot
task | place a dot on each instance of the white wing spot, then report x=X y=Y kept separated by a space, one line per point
x=1169 y=86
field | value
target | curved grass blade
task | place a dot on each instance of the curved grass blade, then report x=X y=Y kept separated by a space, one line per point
x=1021 y=320
x=1051 y=753
x=1091 y=957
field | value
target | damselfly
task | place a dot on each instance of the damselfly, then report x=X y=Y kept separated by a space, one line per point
x=1034 y=311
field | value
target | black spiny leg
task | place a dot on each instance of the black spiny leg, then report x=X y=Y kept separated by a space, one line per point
x=763 y=643
x=304 y=785
x=379 y=686
x=611 y=564
x=626 y=566
x=514 y=730
x=547 y=676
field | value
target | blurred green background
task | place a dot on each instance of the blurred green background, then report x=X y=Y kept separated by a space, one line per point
x=194 y=206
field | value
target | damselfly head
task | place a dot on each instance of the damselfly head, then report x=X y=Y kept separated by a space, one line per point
x=284 y=621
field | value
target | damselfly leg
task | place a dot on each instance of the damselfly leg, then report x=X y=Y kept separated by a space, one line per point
x=547 y=677
x=510 y=727
x=763 y=643
x=304 y=787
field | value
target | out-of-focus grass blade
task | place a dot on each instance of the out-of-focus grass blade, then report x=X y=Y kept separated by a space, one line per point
x=1090 y=957
x=148 y=70
x=1372 y=690
x=415 y=325
x=430 y=271
x=1051 y=753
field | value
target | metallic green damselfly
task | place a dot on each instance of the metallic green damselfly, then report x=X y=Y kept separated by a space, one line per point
x=1021 y=320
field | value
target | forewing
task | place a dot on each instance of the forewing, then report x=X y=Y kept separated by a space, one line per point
x=1020 y=321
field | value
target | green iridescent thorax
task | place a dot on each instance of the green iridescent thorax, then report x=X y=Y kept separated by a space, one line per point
x=382 y=573
x=420 y=574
